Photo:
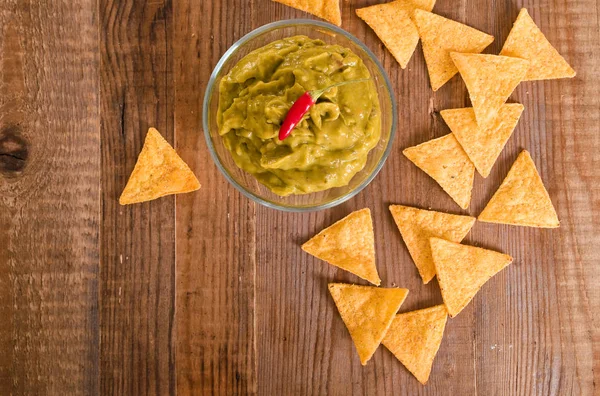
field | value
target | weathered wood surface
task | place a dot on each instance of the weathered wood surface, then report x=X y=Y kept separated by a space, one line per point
x=137 y=262
x=208 y=292
x=49 y=198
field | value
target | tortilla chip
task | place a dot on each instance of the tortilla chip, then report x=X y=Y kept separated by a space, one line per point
x=159 y=171
x=415 y=337
x=367 y=312
x=446 y=162
x=483 y=144
x=462 y=270
x=326 y=9
x=490 y=80
x=440 y=36
x=522 y=198
x=418 y=225
x=526 y=41
x=392 y=24
x=348 y=244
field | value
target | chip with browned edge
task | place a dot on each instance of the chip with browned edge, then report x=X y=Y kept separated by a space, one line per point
x=521 y=199
x=348 y=244
x=326 y=9
x=418 y=225
x=527 y=41
x=483 y=144
x=367 y=312
x=439 y=37
x=393 y=25
x=490 y=79
x=159 y=171
x=444 y=160
x=462 y=270
x=415 y=337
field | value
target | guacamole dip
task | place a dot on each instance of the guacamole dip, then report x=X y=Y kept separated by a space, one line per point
x=331 y=143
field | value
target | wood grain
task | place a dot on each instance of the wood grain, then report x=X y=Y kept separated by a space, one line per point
x=49 y=198
x=137 y=267
x=209 y=293
x=303 y=347
x=216 y=261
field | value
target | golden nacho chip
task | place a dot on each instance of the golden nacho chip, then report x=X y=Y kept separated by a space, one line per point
x=415 y=337
x=392 y=24
x=159 y=171
x=522 y=198
x=418 y=225
x=326 y=9
x=483 y=144
x=446 y=162
x=527 y=41
x=348 y=244
x=490 y=79
x=439 y=37
x=367 y=312
x=462 y=270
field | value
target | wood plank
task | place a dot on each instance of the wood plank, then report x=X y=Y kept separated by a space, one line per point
x=545 y=338
x=137 y=271
x=216 y=228
x=49 y=197
x=565 y=353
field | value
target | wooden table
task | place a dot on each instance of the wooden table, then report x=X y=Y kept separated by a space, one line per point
x=210 y=293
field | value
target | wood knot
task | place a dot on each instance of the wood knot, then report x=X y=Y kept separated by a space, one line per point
x=14 y=151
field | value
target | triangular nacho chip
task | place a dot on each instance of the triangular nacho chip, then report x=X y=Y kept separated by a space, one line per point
x=462 y=270
x=439 y=37
x=367 y=312
x=392 y=24
x=522 y=198
x=159 y=171
x=446 y=162
x=527 y=41
x=483 y=144
x=326 y=9
x=490 y=79
x=348 y=244
x=418 y=225
x=415 y=337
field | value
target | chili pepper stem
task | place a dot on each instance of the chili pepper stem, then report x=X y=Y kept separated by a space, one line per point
x=316 y=94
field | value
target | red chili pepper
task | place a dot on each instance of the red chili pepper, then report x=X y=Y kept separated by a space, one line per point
x=303 y=104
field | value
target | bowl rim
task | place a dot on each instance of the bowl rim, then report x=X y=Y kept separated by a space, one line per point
x=212 y=84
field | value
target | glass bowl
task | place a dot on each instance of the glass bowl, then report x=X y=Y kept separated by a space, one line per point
x=245 y=182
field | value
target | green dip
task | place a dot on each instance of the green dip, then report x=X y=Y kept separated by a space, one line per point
x=331 y=143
